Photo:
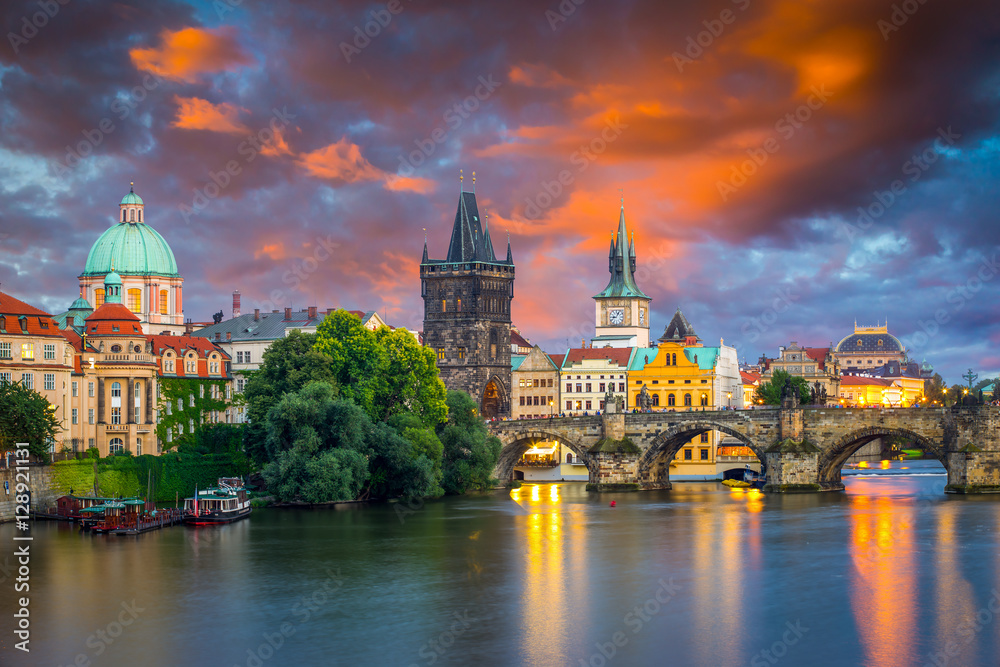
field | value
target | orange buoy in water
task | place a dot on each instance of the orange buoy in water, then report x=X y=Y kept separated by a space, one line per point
x=612 y=503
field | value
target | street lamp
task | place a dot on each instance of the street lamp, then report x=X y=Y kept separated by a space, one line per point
x=729 y=399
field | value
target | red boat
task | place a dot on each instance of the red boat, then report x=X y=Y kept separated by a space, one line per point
x=224 y=504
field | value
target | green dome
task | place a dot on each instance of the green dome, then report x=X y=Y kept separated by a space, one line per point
x=133 y=249
x=81 y=304
x=131 y=198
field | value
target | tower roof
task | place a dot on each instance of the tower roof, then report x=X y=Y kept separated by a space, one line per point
x=134 y=248
x=131 y=197
x=621 y=264
x=469 y=241
x=678 y=329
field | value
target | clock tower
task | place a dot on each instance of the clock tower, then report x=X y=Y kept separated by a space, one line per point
x=622 y=308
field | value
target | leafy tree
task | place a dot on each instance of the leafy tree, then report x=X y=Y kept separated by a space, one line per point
x=425 y=442
x=289 y=364
x=26 y=416
x=934 y=390
x=322 y=448
x=386 y=372
x=770 y=392
x=470 y=452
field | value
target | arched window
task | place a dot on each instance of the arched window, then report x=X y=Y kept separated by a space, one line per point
x=859 y=342
x=675 y=360
x=140 y=215
x=135 y=300
x=668 y=360
x=138 y=388
x=138 y=446
x=671 y=401
x=656 y=400
x=98 y=298
x=164 y=296
x=444 y=305
x=116 y=445
x=123 y=215
x=880 y=342
x=687 y=400
x=116 y=390
x=569 y=458
x=704 y=399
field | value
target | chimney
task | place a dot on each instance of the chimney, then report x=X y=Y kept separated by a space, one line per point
x=236 y=303
x=312 y=312
x=288 y=314
x=229 y=336
x=188 y=327
x=256 y=314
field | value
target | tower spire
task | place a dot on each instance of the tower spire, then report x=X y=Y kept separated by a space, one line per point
x=461 y=185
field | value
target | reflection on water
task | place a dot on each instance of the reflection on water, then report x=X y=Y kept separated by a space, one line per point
x=890 y=572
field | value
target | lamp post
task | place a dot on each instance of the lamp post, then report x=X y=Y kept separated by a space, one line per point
x=729 y=399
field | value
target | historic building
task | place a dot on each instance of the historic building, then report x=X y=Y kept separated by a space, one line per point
x=151 y=285
x=682 y=374
x=535 y=384
x=622 y=310
x=589 y=374
x=868 y=347
x=467 y=299
x=817 y=365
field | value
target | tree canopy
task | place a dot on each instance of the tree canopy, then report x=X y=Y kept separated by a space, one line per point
x=470 y=452
x=26 y=416
x=770 y=392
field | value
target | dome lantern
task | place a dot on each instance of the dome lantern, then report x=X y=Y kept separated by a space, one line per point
x=131 y=207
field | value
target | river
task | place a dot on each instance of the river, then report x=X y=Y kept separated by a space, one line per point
x=890 y=572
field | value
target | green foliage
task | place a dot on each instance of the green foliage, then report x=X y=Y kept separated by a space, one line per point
x=470 y=452
x=288 y=364
x=770 y=392
x=25 y=416
x=385 y=372
x=316 y=441
x=934 y=390
x=194 y=396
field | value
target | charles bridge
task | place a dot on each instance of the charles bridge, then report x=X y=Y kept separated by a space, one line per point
x=802 y=449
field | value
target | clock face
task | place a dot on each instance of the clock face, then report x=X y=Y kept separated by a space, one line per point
x=616 y=316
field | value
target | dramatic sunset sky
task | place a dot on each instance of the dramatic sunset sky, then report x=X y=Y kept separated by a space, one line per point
x=843 y=98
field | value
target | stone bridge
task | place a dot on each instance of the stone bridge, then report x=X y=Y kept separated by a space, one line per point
x=802 y=449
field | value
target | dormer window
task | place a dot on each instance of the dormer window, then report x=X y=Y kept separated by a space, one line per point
x=880 y=342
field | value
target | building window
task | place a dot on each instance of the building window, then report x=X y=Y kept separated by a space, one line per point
x=90 y=417
x=191 y=398
x=4 y=350
x=687 y=400
x=687 y=454
x=116 y=445
x=49 y=381
x=444 y=306
x=588 y=387
x=621 y=387
x=27 y=380
x=704 y=437
x=28 y=351
x=239 y=385
x=704 y=399
x=493 y=344
x=461 y=354
x=50 y=351
x=138 y=441
x=522 y=400
x=137 y=419
x=116 y=390
x=164 y=296
x=76 y=416
x=670 y=400
x=239 y=357
x=550 y=382
x=190 y=426
x=75 y=389
x=5 y=378
x=569 y=387
x=116 y=415
x=704 y=455
x=656 y=400
x=601 y=387
x=90 y=390
x=201 y=393
x=441 y=354
x=98 y=298
x=579 y=387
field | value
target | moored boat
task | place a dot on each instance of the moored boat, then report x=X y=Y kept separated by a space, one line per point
x=225 y=503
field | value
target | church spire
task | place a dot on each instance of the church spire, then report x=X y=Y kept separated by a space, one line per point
x=621 y=264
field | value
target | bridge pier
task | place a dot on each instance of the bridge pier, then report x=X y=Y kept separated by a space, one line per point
x=615 y=457
x=972 y=470
x=793 y=467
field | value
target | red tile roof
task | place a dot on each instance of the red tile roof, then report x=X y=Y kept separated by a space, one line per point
x=749 y=378
x=36 y=322
x=618 y=355
x=817 y=354
x=557 y=359
x=180 y=344
x=518 y=340
x=112 y=319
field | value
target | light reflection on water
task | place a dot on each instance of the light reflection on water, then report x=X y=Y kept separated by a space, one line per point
x=887 y=573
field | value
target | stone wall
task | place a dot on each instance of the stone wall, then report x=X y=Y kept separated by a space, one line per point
x=40 y=482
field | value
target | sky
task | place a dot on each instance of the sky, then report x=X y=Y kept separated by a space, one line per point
x=788 y=167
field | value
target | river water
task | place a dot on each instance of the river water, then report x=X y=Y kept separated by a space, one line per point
x=890 y=572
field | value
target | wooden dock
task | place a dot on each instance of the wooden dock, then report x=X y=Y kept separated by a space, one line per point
x=144 y=524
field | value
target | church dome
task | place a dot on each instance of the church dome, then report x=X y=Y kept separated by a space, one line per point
x=870 y=342
x=131 y=248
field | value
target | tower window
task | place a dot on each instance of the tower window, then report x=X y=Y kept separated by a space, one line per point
x=98 y=298
x=880 y=342
x=135 y=300
x=123 y=215
x=140 y=215
x=444 y=305
x=441 y=354
x=163 y=301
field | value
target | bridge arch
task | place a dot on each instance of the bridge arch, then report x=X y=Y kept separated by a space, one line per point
x=831 y=462
x=515 y=444
x=665 y=446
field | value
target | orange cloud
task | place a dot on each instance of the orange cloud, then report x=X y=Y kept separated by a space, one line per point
x=186 y=54
x=274 y=251
x=537 y=76
x=277 y=146
x=402 y=183
x=343 y=161
x=194 y=113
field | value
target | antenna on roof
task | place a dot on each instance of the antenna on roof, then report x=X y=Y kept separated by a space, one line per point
x=461 y=178
x=473 y=182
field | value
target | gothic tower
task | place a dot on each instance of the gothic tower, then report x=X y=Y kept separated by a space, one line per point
x=467 y=311
x=622 y=316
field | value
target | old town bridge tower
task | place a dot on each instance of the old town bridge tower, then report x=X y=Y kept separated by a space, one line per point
x=467 y=311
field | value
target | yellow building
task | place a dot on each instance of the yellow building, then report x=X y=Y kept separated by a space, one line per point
x=534 y=385
x=860 y=391
x=683 y=374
